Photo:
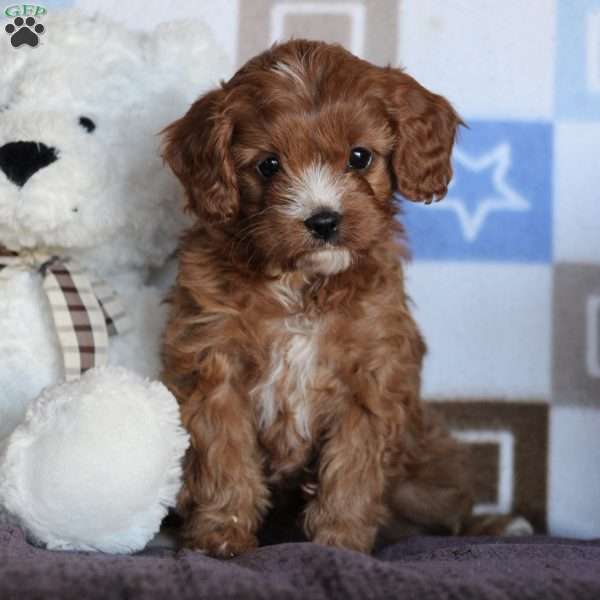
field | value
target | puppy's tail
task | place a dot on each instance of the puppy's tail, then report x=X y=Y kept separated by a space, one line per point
x=435 y=494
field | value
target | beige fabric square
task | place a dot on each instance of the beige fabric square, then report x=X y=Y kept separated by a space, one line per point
x=334 y=28
x=576 y=333
x=509 y=441
x=368 y=28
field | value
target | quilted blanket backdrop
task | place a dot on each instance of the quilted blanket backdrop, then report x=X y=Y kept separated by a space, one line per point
x=506 y=271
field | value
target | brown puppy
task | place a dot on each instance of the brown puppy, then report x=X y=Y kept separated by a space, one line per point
x=290 y=340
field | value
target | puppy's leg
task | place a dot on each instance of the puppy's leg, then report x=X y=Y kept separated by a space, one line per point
x=349 y=504
x=224 y=497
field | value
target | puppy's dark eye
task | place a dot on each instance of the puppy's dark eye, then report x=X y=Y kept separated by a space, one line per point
x=360 y=158
x=87 y=124
x=268 y=166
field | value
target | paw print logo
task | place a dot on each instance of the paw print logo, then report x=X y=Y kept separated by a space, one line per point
x=24 y=31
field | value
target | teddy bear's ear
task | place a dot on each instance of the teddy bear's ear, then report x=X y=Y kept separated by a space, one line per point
x=187 y=50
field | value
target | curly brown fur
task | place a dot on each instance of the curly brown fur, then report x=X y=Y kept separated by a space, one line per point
x=282 y=347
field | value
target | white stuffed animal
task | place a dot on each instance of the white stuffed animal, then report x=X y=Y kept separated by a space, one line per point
x=87 y=210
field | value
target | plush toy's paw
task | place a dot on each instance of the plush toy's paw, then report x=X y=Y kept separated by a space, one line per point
x=96 y=464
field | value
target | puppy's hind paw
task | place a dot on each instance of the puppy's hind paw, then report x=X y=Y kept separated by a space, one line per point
x=498 y=525
x=517 y=526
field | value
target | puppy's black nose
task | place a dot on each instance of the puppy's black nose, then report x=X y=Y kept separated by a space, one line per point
x=323 y=225
x=20 y=160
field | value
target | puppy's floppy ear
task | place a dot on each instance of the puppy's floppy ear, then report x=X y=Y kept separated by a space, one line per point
x=197 y=148
x=426 y=126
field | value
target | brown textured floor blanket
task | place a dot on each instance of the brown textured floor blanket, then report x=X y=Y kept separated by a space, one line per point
x=422 y=568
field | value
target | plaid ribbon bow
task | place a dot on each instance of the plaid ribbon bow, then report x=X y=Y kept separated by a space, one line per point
x=85 y=310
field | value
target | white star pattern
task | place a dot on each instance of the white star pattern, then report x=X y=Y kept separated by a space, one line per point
x=505 y=199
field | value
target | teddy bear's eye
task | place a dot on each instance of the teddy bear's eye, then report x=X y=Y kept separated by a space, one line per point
x=87 y=124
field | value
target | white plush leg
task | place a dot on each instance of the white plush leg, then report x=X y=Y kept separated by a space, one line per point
x=96 y=464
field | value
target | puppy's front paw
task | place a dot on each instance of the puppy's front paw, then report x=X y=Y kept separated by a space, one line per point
x=228 y=543
x=343 y=537
x=222 y=541
x=333 y=530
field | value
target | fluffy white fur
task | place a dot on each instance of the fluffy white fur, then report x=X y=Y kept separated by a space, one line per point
x=290 y=374
x=316 y=188
x=109 y=202
x=326 y=262
x=115 y=442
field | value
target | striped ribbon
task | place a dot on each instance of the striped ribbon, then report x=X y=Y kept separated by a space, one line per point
x=85 y=310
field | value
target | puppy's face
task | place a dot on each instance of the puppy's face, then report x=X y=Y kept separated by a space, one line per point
x=297 y=156
x=313 y=177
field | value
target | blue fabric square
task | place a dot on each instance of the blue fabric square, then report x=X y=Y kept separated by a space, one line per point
x=578 y=59
x=499 y=204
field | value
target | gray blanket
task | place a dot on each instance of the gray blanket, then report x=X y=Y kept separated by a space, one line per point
x=422 y=568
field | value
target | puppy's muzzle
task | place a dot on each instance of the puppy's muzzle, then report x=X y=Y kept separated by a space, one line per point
x=20 y=160
x=324 y=225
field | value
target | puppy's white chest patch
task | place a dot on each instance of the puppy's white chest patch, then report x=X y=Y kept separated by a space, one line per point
x=287 y=385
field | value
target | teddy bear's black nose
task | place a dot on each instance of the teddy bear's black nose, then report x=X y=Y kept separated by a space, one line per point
x=20 y=160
